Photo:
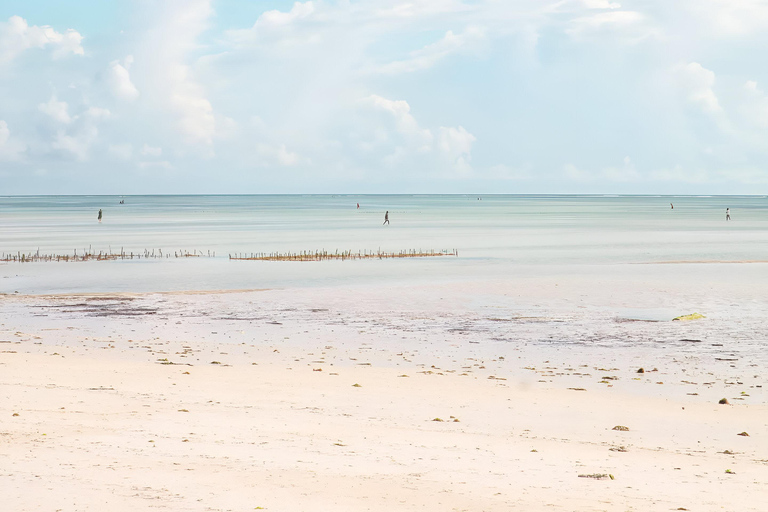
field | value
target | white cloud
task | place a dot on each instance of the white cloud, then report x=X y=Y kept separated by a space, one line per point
x=78 y=144
x=16 y=36
x=285 y=157
x=677 y=173
x=452 y=147
x=425 y=58
x=279 y=155
x=605 y=21
x=579 y=5
x=56 y=110
x=456 y=145
x=755 y=109
x=420 y=8
x=600 y=4
x=148 y=150
x=625 y=173
x=745 y=174
x=406 y=123
x=696 y=82
x=10 y=147
x=730 y=18
x=293 y=79
x=80 y=133
x=505 y=172
x=456 y=141
x=121 y=151
x=409 y=144
x=97 y=113
x=169 y=75
x=275 y=18
x=162 y=164
x=119 y=80
x=575 y=174
x=277 y=27
x=195 y=113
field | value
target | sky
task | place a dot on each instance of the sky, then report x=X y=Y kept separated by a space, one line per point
x=373 y=96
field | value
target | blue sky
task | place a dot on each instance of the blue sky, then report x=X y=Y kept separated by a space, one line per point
x=442 y=96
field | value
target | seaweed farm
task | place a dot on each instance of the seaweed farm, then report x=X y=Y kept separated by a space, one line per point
x=88 y=255
x=343 y=255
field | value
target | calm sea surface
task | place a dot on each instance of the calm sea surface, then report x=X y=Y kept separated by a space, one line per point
x=493 y=234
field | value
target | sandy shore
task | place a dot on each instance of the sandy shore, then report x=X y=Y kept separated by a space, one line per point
x=463 y=396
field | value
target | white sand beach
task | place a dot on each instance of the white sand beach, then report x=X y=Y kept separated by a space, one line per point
x=495 y=395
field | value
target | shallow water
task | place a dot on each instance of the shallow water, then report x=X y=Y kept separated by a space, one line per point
x=493 y=235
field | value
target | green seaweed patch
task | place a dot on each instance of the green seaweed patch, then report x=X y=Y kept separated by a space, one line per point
x=692 y=316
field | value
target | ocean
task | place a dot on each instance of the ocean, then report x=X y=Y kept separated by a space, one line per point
x=493 y=234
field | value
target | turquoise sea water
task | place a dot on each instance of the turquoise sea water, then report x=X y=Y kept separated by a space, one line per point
x=491 y=233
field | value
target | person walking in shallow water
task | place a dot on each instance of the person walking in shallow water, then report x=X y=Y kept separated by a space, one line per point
x=386 y=218
x=99 y=214
x=727 y=214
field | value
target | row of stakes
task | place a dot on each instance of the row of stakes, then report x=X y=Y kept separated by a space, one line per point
x=88 y=255
x=343 y=255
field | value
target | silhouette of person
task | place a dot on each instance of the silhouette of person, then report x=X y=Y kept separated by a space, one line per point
x=727 y=214
x=99 y=214
x=386 y=218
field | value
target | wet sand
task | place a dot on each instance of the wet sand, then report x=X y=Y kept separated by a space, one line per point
x=496 y=395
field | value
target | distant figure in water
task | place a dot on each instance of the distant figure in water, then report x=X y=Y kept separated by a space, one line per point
x=671 y=206
x=727 y=214
x=358 y=206
x=99 y=214
x=386 y=218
